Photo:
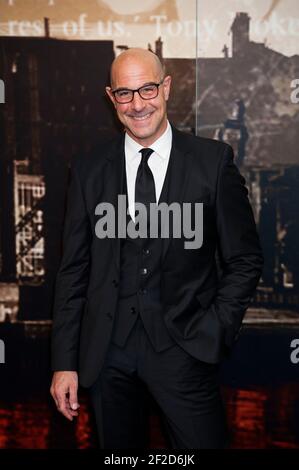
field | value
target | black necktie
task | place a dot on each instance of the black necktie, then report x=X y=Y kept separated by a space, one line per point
x=145 y=184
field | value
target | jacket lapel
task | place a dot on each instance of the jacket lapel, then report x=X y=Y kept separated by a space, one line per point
x=180 y=165
x=113 y=186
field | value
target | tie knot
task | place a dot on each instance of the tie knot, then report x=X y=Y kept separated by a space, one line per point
x=145 y=154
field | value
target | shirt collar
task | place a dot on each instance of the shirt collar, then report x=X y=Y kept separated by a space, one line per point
x=161 y=146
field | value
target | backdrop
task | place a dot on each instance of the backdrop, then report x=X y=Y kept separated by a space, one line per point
x=235 y=69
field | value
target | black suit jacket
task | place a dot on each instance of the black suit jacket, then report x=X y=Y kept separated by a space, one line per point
x=202 y=310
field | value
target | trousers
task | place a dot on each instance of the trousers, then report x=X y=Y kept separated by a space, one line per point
x=186 y=390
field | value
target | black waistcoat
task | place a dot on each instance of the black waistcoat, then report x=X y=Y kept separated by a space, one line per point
x=140 y=281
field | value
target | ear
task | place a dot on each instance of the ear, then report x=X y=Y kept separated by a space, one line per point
x=110 y=94
x=166 y=86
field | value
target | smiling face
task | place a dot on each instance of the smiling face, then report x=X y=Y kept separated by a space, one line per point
x=144 y=120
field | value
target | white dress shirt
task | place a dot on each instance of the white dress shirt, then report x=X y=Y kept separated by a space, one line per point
x=158 y=162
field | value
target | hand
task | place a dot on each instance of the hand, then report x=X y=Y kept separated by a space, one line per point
x=64 y=389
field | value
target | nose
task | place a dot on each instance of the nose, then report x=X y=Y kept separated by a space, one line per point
x=137 y=103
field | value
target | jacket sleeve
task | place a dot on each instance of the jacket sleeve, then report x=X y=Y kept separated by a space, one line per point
x=239 y=248
x=72 y=279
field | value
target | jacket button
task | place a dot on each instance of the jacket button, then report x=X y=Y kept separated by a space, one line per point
x=146 y=251
x=115 y=283
x=142 y=291
x=109 y=315
x=133 y=310
x=143 y=271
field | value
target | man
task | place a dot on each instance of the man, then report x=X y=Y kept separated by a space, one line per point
x=148 y=314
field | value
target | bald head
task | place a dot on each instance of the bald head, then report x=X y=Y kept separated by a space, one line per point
x=141 y=57
x=139 y=92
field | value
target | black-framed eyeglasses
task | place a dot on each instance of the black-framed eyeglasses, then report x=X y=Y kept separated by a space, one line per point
x=146 y=92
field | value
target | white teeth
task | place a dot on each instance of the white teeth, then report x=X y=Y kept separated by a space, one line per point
x=141 y=118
